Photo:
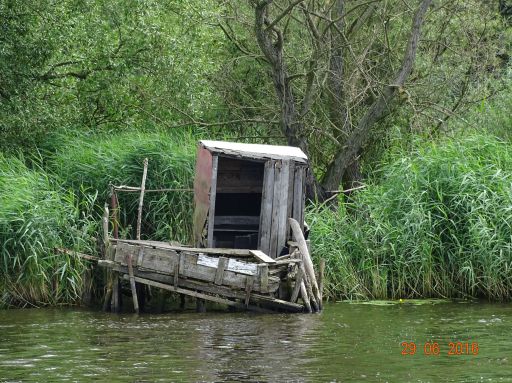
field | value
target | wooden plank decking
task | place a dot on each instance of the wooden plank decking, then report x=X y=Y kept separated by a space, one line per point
x=240 y=278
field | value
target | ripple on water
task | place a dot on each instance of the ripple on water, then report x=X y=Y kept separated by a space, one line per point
x=348 y=343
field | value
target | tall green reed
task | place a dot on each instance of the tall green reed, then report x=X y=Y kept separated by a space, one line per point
x=95 y=162
x=36 y=218
x=433 y=223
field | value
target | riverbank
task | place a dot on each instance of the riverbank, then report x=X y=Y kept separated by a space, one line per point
x=433 y=222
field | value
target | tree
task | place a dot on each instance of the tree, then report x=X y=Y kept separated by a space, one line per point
x=337 y=72
x=101 y=66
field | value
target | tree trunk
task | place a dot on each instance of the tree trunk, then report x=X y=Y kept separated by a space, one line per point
x=270 y=41
x=359 y=136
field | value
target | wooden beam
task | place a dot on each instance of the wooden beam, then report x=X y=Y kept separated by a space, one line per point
x=77 y=254
x=206 y=250
x=213 y=196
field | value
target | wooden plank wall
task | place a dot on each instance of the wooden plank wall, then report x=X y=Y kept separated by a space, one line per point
x=282 y=207
x=202 y=183
x=275 y=207
x=283 y=197
x=299 y=195
x=266 y=207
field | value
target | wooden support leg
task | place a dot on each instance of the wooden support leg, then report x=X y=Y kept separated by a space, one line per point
x=132 y=285
x=108 y=293
x=321 y=281
x=200 y=305
x=87 y=293
x=116 y=294
x=141 y=294
x=182 y=302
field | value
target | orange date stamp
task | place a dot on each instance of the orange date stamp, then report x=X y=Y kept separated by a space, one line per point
x=436 y=348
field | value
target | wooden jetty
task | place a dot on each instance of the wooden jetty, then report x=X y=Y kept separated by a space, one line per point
x=249 y=252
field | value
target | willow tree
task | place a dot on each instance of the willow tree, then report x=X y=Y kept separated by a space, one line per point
x=336 y=69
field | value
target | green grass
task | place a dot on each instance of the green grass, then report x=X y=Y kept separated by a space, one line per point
x=36 y=217
x=61 y=207
x=94 y=162
x=435 y=222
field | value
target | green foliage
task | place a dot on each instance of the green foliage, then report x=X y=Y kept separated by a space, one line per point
x=102 y=66
x=36 y=217
x=94 y=162
x=437 y=224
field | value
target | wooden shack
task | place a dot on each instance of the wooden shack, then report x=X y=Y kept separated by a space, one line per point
x=245 y=193
x=249 y=206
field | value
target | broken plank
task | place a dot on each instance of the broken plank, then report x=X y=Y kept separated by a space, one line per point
x=261 y=256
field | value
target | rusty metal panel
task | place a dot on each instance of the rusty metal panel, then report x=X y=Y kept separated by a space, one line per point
x=202 y=185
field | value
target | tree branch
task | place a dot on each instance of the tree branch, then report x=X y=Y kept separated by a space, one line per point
x=360 y=134
x=284 y=13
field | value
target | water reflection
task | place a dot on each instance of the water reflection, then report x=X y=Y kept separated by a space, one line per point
x=345 y=343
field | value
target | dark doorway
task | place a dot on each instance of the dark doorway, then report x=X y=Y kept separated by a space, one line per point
x=238 y=203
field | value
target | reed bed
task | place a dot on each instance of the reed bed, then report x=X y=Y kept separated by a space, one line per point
x=90 y=164
x=36 y=217
x=433 y=223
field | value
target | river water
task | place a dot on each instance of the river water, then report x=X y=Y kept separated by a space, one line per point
x=345 y=343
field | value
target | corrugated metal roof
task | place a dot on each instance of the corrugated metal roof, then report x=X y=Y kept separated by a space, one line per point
x=255 y=150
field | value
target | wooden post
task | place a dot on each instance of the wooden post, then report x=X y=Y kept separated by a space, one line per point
x=141 y=199
x=115 y=211
x=116 y=293
x=321 y=280
x=200 y=305
x=108 y=276
x=132 y=284
x=248 y=289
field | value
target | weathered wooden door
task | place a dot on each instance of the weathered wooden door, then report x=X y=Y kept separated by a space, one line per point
x=282 y=197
